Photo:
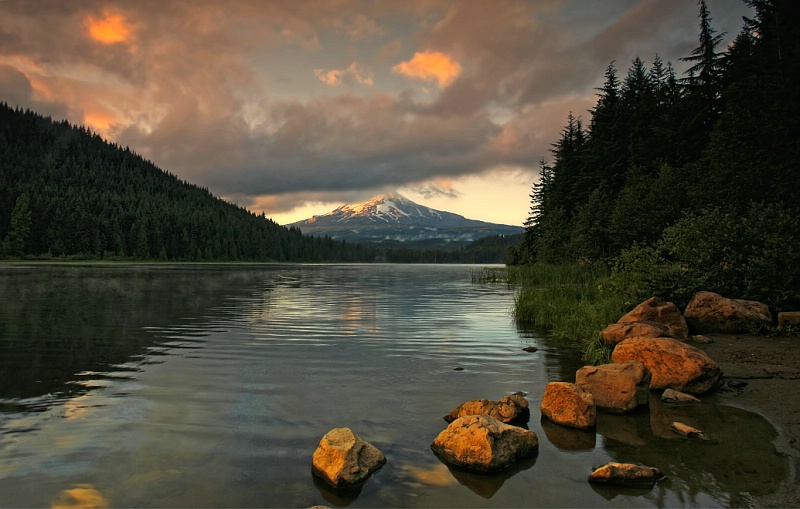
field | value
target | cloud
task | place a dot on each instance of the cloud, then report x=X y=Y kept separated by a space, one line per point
x=430 y=66
x=358 y=27
x=110 y=29
x=225 y=98
x=441 y=187
x=354 y=71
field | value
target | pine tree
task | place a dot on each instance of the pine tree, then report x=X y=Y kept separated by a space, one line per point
x=703 y=96
x=15 y=242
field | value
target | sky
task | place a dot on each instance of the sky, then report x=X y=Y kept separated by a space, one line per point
x=295 y=107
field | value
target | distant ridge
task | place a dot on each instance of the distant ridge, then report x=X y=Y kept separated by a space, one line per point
x=394 y=220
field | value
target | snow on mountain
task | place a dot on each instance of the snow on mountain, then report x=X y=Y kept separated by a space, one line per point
x=392 y=218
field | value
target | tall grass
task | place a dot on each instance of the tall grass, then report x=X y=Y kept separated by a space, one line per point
x=572 y=302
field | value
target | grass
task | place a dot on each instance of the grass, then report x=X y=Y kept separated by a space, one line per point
x=571 y=302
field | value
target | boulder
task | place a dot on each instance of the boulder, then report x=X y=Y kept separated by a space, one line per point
x=711 y=312
x=513 y=407
x=482 y=443
x=673 y=396
x=625 y=474
x=672 y=363
x=788 y=319
x=343 y=459
x=618 y=332
x=569 y=405
x=659 y=311
x=616 y=388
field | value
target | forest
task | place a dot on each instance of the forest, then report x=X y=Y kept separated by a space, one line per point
x=686 y=182
x=66 y=192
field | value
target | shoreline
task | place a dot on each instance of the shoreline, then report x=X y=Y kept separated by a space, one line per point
x=762 y=374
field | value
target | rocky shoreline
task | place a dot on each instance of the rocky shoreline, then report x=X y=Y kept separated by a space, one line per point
x=653 y=351
x=762 y=375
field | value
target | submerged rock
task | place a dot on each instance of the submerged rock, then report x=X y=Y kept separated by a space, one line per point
x=482 y=443
x=688 y=431
x=625 y=474
x=711 y=312
x=617 y=388
x=513 y=407
x=673 y=364
x=343 y=459
x=673 y=396
x=569 y=405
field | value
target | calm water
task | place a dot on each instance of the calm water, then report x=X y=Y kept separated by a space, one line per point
x=210 y=386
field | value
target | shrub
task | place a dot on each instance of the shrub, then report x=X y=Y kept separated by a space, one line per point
x=755 y=256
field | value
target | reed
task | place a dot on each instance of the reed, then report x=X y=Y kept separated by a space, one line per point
x=571 y=302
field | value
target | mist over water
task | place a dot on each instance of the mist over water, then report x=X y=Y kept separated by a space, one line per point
x=211 y=386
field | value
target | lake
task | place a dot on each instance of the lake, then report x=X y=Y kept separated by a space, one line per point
x=211 y=385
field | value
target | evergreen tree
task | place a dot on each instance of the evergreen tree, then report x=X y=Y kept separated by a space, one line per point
x=16 y=241
x=703 y=96
x=659 y=149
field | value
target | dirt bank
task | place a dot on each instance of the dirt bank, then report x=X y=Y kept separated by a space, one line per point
x=762 y=374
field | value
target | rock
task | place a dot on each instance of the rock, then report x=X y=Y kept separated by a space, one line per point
x=659 y=311
x=618 y=332
x=530 y=349
x=701 y=340
x=788 y=319
x=617 y=388
x=343 y=459
x=625 y=474
x=511 y=408
x=567 y=404
x=711 y=312
x=688 y=431
x=673 y=396
x=482 y=443
x=672 y=363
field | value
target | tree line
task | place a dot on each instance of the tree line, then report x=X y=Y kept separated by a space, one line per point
x=698 y=173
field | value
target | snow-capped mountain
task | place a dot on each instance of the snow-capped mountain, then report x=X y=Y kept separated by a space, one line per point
x=394 y=219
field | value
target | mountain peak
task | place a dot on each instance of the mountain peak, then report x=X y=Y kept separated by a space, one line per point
x=391 y=217
x=384 y=208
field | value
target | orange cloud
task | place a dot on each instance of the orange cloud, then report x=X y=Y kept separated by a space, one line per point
x=110 y=29
x=355 y=71
x=100 y=122
x=430 y=66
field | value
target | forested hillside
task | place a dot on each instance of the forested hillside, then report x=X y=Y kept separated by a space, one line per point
x=686 y=181
x=67 y=192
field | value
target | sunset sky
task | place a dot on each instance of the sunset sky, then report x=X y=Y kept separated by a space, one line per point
x=294 y=107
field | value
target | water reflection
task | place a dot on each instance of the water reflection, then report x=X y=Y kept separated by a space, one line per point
x=738 y=463
x=567 y=438
x=340 y=497
x=59 y=322
x=179 y=386
x=484 y=484
x=82 y=496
